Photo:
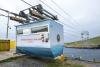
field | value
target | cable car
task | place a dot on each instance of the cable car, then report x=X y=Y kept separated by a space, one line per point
x=40 y=38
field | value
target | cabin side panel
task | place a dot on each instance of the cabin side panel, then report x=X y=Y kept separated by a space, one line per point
x=56 y=38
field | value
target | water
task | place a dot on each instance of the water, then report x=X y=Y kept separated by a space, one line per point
x=84 y=54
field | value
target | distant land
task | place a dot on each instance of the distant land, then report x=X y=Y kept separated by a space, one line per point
x=92 y=43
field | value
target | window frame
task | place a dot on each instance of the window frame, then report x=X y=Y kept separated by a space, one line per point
x=19 y=33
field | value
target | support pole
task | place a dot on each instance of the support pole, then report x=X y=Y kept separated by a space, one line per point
x=7 y=33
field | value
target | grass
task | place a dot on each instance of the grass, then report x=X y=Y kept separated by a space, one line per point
x=93 y=42
x=64 y=64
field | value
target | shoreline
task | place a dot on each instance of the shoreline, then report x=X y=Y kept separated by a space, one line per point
x=83 y=47
x=87 y=63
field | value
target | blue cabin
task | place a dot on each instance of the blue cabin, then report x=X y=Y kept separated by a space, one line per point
x=40 y=38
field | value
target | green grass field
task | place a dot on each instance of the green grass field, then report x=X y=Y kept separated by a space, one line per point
x=93 y=42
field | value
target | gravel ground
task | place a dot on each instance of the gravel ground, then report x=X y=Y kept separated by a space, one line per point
x=23 y=62
x=26 y=61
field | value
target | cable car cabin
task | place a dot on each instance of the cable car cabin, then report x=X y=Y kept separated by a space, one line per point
x=41 y=38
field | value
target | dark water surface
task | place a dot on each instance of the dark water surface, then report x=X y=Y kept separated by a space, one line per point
x=84 y=54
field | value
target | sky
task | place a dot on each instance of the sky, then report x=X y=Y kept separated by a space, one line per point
x=82 y=15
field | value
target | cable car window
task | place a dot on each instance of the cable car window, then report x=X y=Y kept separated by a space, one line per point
x=39 y=29
x=19 y=31
x=26 y=31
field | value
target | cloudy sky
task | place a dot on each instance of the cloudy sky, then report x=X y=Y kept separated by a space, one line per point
x=80 y=15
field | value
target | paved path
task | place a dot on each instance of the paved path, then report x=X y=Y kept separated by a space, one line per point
x=7 y=54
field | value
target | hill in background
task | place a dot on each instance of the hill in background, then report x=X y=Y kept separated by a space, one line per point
x=93 y=42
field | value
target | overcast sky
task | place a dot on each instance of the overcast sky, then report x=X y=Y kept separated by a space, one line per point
x=85 y=16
